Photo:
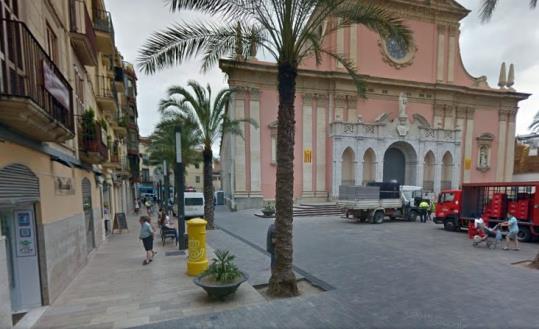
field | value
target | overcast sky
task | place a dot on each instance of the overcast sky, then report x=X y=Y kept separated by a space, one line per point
x=511 y=36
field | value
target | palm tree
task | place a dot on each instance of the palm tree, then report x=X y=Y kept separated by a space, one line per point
x=210 y=123
x=290 y=31
x=162 y=143
x=488 y=7
x=534 y=126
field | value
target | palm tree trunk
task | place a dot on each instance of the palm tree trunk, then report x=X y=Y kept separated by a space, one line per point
x=208 y=187
x=283 y=280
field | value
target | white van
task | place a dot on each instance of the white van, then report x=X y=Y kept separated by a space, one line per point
x=194 y=204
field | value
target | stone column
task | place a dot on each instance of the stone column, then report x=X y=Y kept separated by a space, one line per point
x=502 y=131
x=437 y=176
x=254 y=134
x=359 y=171
x=337 y=177
x=510 y=146
x=380 y=170
x=321 y=138
x=5 y=305
x=468 y=145
x=307 y=122
x=239 y=144
x=420 y=169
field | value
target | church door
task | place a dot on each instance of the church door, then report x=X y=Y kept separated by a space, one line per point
x=394 y=165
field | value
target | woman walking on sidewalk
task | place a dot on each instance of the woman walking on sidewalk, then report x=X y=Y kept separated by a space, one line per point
x=146 y=235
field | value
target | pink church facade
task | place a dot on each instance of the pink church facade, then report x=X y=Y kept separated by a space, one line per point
x=425 y=120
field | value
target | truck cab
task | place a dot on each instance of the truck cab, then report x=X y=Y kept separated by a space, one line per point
x=447 y=210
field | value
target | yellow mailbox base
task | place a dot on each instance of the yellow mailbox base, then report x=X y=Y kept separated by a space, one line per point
x=195 y=268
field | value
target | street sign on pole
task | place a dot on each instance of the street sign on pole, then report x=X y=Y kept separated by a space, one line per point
x=180 y=183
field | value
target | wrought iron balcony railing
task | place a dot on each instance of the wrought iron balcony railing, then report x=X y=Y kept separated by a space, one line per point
x=27 y=72
x=83 y=35
x=102 y=21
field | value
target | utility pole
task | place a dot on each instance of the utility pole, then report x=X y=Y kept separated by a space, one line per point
x=180 y=188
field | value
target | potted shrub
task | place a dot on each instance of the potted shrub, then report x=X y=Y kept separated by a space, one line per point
x=223 y=277
x=88 y=127
x=269 y=209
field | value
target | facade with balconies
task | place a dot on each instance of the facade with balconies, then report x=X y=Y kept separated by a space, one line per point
x=65 y=169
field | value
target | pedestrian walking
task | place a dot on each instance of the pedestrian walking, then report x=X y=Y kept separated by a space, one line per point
x=423 y=208
x=148 y=206
x=137 y=206
x=432 y=209
x=146 y=235
x=270 y=244
x=512 y=236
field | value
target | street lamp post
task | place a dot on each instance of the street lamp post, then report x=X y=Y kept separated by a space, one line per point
x=164 y=202
x=180 y=187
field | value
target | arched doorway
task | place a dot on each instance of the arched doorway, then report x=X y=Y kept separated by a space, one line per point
x=447 y=171
x=87 y=206
x=348 y=168
x=19 y=192
x=400 y=163
x=428 y=172
x=369 y=166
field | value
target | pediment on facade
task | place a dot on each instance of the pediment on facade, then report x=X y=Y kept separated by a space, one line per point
x=273 y=125
x=421 y=120
x=384 y=117
x=486 y=137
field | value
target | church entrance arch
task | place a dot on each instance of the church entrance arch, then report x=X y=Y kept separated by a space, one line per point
x=400 y=163
x=348 y=167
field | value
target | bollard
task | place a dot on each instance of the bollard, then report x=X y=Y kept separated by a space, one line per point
x=197 y=261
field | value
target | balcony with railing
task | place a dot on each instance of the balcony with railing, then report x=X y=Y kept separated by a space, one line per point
x=134 y=164
x=92 y=146
x=35 y=97
x=114 y=157
x=104 y=31
x=119 y=78
x=83 y=38
x=125 y=168
x=119 y=125
x=106 y=95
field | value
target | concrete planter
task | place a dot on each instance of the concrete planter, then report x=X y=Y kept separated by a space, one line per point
x=218 y=290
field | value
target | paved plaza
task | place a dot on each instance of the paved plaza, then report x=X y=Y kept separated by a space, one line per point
x=397 y=274
x=394 y=275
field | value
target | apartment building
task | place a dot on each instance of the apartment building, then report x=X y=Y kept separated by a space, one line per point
x=68 y=144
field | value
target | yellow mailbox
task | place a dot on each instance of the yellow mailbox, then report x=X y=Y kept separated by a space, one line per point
x=197 y=261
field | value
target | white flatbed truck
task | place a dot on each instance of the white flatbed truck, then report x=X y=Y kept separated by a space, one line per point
x=373 y=205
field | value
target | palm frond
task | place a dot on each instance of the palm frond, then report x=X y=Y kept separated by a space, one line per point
x=374 y=18
x=229 y=9
x=180 y=42
x=349 y=66
x=487 y=9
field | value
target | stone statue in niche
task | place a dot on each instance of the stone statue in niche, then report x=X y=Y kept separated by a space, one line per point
x=483 y=157
x=403 y=101
x=402 y=127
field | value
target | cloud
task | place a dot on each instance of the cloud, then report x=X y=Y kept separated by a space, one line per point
x=512 y=36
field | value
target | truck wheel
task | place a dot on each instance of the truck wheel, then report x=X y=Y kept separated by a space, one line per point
x=378 y=217
x=524 y=234
x=412 y=217
x=450 y=224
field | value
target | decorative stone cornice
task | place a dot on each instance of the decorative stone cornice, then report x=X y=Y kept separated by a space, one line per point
x=432 y=10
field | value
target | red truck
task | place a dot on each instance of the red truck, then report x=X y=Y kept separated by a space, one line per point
x=456 y=209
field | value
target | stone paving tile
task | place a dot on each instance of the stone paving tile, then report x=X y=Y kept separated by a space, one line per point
x=115 y=291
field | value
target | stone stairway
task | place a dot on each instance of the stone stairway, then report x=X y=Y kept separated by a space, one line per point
x=317 y=209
